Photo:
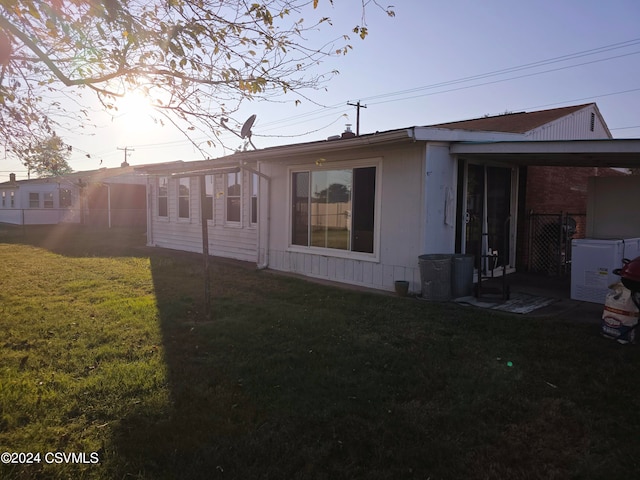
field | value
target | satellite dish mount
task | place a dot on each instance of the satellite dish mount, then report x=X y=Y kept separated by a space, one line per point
x=245 y=132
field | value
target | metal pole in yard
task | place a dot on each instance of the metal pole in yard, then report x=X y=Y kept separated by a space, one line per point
x=205 y=248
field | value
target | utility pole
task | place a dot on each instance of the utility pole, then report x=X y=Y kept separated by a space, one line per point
x=126 y=151
x=358 y=107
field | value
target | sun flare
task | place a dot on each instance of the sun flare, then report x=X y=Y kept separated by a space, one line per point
x=136 y=112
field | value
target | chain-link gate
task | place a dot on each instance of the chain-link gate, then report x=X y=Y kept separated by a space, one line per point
x=549 y=241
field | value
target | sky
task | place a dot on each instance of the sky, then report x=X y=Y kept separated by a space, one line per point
x=435 y=61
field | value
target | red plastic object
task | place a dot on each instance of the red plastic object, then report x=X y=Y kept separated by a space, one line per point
x=630 y=274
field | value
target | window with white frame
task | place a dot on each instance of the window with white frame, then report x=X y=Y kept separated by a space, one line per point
x=334 y=209
x=34 y=200
x=208 y=203
x=184 y=188
x=254 y=198
x=233 y=195
x=4 y=199
x=163 y=196
x=12 y=197
x=48 y=200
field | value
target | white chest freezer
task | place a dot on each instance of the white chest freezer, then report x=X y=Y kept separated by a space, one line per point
x=593 y=262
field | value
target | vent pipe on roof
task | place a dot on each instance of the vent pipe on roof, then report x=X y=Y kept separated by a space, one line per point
x=348 y=133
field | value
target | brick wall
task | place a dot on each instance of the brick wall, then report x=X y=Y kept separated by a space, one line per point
x=560 y=189
x=555 y=190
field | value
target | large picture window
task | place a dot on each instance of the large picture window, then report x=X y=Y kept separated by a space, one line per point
x=183 y=197
x=234 y=192
x=163 y=193
x=334 y=209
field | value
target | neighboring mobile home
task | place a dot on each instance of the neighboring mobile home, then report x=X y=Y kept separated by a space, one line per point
x=106 y=197
x=361 y=210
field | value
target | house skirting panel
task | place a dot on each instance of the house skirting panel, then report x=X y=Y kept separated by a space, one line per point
x=344 y=270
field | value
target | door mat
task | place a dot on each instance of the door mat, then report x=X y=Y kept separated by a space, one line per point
x=518 y=303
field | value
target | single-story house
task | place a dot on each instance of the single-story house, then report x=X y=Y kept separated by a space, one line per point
x=362 y=209
x=105 y=197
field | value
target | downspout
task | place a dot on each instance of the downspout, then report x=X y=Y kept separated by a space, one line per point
x=149 y=213
x=265 y=263
x=268 y=242
x=108 y=204
x=259 y=224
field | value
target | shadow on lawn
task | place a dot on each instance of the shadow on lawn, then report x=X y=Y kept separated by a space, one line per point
x=75 y=240
x=277 y=385
x=300 y=381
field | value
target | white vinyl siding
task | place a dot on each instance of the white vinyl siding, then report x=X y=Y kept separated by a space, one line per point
x=236 y=241
x=579 y=125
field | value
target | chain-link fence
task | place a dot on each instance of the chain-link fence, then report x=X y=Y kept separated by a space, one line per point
x=549 y=241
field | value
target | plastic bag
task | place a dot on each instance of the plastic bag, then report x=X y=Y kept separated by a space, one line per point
x=620 y=316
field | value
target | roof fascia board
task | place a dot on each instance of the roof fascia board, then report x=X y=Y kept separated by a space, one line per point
x=460 y=135
x=327 y=146
x=284 y=152
x=551 y=147
x=602 y=120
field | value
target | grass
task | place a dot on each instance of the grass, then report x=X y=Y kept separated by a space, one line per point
x=104 y=349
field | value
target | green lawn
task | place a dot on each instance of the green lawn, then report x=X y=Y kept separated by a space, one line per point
x=104 y=349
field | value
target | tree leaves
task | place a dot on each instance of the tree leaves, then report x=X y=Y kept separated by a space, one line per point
x=190 y=55
x=48 y=158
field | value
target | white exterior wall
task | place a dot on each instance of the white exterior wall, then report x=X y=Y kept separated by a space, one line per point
x=23 y=214
x=612 y=207
x=225 y=240
x=575 y=126
x=440 y=183
x=398 y=212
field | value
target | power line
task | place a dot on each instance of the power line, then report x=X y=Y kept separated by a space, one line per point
x=503 y=71
x=625 y=128
x=517 y=68
x=323 y=112
x=591 y=97
x=504 y=79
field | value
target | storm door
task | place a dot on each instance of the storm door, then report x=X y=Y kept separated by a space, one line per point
x=488 y=228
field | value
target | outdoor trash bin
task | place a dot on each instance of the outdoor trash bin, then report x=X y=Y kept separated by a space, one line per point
x=435 y=276
x=462 y=275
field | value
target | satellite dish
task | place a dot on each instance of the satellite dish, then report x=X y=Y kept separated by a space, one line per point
x=246 y=128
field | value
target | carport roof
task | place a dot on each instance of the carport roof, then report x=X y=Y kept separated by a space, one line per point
x=622 y=153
